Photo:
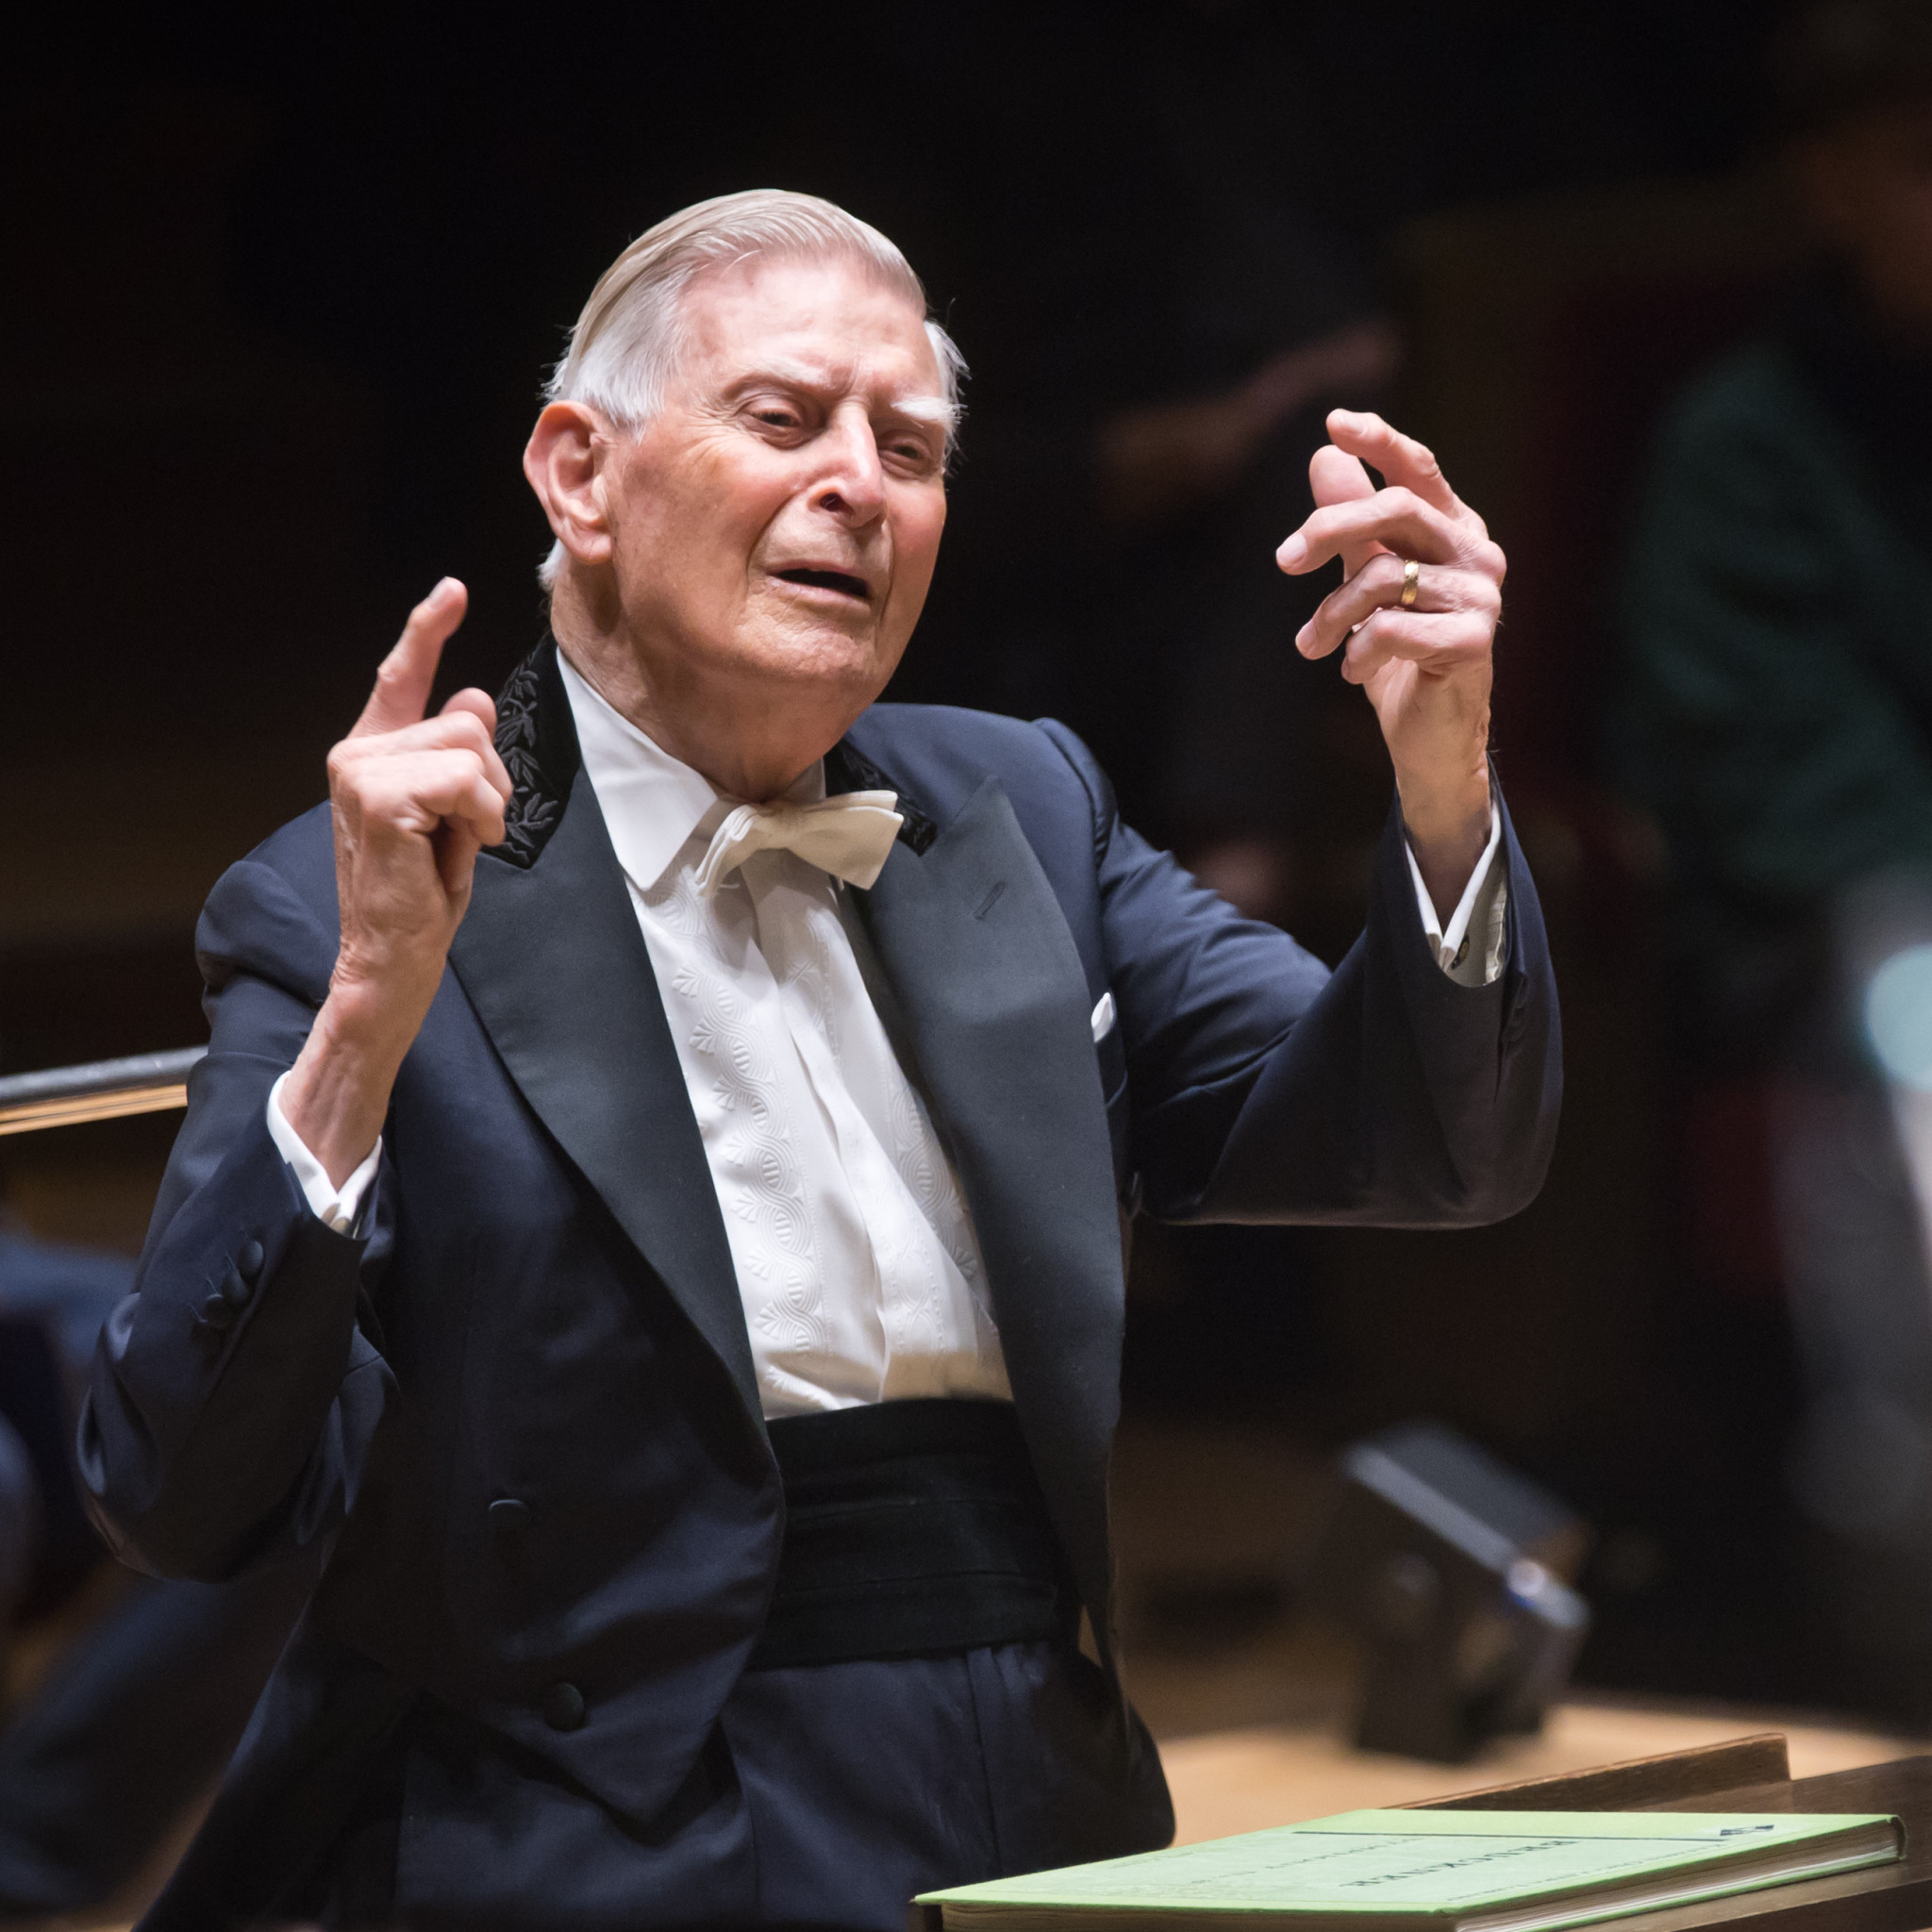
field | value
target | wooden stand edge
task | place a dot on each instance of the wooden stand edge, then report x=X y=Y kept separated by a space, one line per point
x=1637 y=1783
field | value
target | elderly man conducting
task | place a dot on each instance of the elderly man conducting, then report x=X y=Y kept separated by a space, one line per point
x=655 y=1196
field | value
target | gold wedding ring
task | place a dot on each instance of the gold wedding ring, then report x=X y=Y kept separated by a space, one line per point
x=1411 y=572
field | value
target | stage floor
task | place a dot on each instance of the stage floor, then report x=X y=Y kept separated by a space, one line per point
x=1251 y=1700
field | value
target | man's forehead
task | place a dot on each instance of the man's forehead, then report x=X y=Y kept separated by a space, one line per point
x=821 y=326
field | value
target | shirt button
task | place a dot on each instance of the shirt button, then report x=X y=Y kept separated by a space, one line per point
x=563 y=1707
x=249 y=1261
x=236 y=1288
x=508 y=1517
x=218 y=1311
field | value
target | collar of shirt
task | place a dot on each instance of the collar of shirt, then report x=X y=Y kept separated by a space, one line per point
x=652 y=802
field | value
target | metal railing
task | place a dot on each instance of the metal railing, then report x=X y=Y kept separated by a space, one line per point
x=100 y=1091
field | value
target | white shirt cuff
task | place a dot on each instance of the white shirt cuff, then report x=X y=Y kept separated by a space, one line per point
x=1470 y=950
x=338 y=1208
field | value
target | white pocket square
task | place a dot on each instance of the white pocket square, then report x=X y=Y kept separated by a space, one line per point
x=1104 y=1016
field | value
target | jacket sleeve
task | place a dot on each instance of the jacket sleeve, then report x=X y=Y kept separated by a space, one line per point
x=1266 y=1089
x=235 y=1393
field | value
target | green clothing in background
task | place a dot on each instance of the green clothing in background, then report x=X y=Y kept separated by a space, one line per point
x=1777 y=627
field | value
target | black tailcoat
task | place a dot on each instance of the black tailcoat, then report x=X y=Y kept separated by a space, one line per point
x=545 y=1307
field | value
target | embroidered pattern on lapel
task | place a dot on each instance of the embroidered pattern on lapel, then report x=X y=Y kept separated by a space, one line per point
x=535 y=803
x=847 y=771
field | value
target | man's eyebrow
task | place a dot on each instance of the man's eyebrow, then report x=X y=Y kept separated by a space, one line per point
x=798 y=375
x=927 y=409
x=922 y=408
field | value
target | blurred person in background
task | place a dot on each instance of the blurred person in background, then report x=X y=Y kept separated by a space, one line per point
x=1779 y=721
x=145 y=1695
x=1162 y=336
x=1189 y=487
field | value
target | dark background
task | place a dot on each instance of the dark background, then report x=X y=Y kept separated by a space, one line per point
x=280 y=296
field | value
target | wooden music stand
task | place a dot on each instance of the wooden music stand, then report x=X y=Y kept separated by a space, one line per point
x=1754 y=1775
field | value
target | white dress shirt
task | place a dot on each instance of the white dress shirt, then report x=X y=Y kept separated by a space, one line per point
x=338 y=1208
x=856 y=1257
x=1470 y=950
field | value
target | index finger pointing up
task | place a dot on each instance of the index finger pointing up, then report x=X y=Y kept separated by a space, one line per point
x=1400 y=458
x=405 y=677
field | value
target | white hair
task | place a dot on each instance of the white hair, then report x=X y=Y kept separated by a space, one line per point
x=628 y=344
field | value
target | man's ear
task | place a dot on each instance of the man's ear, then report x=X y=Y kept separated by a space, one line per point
x=564 y=462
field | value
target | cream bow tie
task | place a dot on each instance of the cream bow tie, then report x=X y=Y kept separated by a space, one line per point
x=849 y=836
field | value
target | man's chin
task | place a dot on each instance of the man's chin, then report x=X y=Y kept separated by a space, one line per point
x=822 y=651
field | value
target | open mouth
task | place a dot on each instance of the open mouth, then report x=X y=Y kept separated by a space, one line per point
x=830 y=580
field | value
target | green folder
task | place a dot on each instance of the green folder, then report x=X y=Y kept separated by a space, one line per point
x=1456 y=1871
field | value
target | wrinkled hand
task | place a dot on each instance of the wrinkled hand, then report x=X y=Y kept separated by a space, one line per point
x=1427 y=669
x=414 y=799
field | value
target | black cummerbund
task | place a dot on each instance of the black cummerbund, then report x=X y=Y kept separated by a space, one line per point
x=912 y=1528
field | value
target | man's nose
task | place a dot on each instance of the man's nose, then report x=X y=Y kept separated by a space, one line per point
x=853 y=483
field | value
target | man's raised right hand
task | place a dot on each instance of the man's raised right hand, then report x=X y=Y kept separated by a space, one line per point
x=414 y=799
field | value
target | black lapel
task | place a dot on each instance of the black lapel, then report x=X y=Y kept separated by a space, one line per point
x=995 y=1002
x=552 y=960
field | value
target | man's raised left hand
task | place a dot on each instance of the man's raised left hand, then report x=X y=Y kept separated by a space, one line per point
x=1425 y=667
